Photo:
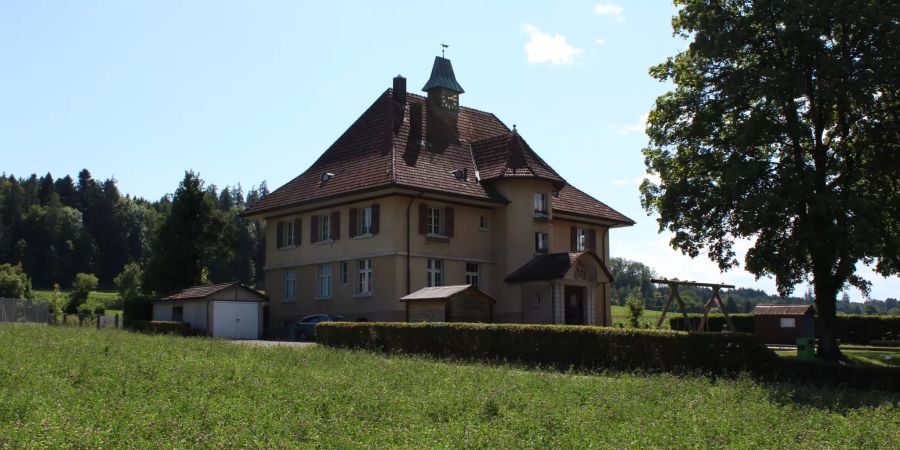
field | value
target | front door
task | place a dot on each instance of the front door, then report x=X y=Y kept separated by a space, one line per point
x=574 y=305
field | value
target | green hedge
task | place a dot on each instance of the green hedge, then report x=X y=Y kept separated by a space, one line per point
x=743 y=323
x=161 y=327
x=559 y=346
x=851 y=329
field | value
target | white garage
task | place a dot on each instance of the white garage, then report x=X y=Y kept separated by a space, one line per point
x=226 y=310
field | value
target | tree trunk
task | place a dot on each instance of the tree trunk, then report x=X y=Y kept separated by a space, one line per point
x=826 y=321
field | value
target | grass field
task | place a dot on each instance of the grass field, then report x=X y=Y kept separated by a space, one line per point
x=862 y=355
x=76 y=387
x=620 y=315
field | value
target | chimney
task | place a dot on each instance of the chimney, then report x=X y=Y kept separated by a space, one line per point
x=399 y=92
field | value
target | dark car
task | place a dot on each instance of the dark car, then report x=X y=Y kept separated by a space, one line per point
x=306 y=327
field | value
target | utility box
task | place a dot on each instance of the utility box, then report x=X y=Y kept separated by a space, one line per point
x=806 y=349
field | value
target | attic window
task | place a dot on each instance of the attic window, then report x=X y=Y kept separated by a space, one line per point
x=461 y=174
x=325 y=177
x=555 y=194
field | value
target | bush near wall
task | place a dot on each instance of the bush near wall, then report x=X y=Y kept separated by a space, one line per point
x=715 y=322
x=851 y=329
x=557 y=346
x=161 y=327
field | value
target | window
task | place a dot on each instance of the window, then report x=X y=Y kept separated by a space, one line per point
x=435 y=272
x=344 y=270
x=473 y=275
x=483 y=224
x=435 y=224
x=289 y=234
x=178 y=314
x=323 y=230
x=364 y=277
x=581 y=239
x=537 y=300
x=364 y=221
x=323 y=286
x=541 y=204
x=788 y=322
x=290 y=285
x=541 y=243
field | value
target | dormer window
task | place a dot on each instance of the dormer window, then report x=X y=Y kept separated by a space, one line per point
x=325 y=177
x=461 y=174
x=541 y=205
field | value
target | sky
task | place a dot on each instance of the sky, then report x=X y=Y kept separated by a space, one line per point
x=243 y=92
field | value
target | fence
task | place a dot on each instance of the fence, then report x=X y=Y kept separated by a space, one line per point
x=24 y=310
x=90 y=320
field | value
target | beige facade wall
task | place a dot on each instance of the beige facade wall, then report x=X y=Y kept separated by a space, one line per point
x=506 y=244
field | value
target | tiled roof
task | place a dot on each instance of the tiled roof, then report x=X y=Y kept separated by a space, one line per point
x=782 y=310
x=509 y=156
x=385 y=147
x=206 y=290
x=552 y=266
x=441 y=292
x=572 y=200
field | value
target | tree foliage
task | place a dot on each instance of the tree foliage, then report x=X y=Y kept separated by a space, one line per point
x=14 y=283
x=82 y=286
x=782 y=128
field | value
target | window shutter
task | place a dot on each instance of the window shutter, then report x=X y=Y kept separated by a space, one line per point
x=423 y=218
x=375 y=218
x=353 y=224
x=592 y=240
x=279 y=235
x=335 y=225
x=313 y=229
x=297 y=234
x=574 y=235
x=448 y=221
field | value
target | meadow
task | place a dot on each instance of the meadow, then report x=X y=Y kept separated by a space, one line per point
x=620 y=315
x=81 y=387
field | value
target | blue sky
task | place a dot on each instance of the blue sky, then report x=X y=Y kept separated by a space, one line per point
x=248 y=91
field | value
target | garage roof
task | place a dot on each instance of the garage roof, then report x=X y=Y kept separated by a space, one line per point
x=205 y=290
x=782 y=310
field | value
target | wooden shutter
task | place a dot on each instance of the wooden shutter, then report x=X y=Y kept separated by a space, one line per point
x=313 y=229
x=297 y=235
x=279 y=235
x=448 y=221
x=592 y=240
x=353 y=224
x=335 y=225
x=375 y=218
x=423 y=218
x=574 y=236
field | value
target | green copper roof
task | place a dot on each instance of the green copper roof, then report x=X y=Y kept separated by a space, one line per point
x=442 y=76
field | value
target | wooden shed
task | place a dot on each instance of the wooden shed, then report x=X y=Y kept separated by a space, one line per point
x=462 y=303
x=783 y=324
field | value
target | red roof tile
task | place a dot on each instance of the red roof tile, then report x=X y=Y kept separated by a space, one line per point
x=385 y=147
x=782 y=310
x=206 y=290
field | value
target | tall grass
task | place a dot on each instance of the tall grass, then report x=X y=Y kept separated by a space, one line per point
x=71 y=387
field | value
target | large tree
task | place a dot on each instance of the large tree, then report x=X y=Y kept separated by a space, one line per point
x=783 y=128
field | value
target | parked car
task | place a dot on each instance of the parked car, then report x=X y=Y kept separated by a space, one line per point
x=306 y=327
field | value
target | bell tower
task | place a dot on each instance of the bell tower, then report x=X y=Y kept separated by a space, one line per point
x=443 y=104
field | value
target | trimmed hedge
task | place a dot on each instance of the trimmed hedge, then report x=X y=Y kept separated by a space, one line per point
x=851 y=329
x=161 y=327
x=715 y=322
x=559 y=346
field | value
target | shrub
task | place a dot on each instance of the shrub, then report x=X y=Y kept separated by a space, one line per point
x=135 y=306
x=14 y=282
x=715 y=322
x=556 y=345
x=161 y=327
x=92 y=306
x=82 y=286
x=635 y=310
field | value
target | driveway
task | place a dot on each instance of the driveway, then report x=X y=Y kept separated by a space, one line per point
x=262 y=343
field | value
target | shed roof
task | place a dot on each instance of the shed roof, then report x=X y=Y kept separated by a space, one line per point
x=782 y=310
x=205 y=290
x=443 y=292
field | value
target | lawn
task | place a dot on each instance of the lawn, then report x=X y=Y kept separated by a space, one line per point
x=862 y=355
x=77 y=387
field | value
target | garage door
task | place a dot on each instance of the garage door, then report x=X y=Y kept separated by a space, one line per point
x=236 y=320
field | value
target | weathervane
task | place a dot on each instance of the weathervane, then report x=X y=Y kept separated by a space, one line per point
x=443 y=47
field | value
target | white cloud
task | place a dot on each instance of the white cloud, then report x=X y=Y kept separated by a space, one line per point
x=600 y=41
x=609 y=9
x=636 y=127
x=637 y=181
x=621 y=183
x=544 y=48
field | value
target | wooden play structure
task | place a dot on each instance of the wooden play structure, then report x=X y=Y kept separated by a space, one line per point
x=715 y=300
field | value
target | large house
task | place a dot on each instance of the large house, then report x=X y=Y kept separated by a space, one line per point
x=421 y=192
